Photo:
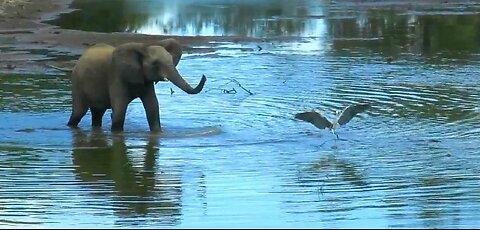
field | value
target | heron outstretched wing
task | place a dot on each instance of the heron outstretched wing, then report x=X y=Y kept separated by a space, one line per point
x=350 y=111
x=315 y=118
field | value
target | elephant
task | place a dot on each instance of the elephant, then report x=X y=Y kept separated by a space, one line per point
x=107 y=77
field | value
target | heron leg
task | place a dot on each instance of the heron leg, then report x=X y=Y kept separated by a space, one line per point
x=333 y=131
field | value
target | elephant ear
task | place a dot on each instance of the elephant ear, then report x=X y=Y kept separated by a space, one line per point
x=127 y=62
x=173 y=47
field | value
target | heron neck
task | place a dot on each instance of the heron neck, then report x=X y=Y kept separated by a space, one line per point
x=335 y=124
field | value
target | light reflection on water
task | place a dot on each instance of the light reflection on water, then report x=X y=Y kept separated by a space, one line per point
x=389 y=28
x=204 y=18
x=240 y=160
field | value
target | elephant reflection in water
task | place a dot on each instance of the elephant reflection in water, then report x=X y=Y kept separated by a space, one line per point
x=134 y=190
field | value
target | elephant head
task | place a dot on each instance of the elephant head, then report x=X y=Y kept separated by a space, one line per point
x=138 y=63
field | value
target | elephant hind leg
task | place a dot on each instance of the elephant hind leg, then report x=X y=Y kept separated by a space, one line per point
x=79 y=109
x=97 y=115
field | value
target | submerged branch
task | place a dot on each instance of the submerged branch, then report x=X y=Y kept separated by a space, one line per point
x=240 y=85
x=233 y=90
x=59 y=68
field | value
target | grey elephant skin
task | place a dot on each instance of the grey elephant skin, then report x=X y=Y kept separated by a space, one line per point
x=107 y=77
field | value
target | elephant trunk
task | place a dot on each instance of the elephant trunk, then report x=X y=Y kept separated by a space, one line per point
x=177 y=80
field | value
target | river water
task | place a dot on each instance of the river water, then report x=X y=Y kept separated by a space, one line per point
x=228 y=158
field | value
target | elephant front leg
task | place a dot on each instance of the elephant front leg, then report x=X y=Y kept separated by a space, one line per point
x=150 y=104
x=118 y=116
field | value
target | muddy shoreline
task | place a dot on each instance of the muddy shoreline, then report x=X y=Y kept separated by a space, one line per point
x=29 y=45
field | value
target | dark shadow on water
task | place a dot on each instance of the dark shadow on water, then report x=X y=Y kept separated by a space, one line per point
x=107 y=169
x=39 y=93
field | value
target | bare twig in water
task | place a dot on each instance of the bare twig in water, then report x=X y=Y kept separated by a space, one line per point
x=59 y=68
x=248 y=91
x=232 y=91
x=171 y=91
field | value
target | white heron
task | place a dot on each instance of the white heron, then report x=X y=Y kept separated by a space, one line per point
x=342 y=117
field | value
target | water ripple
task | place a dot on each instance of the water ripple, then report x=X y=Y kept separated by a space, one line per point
x=235 y=158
